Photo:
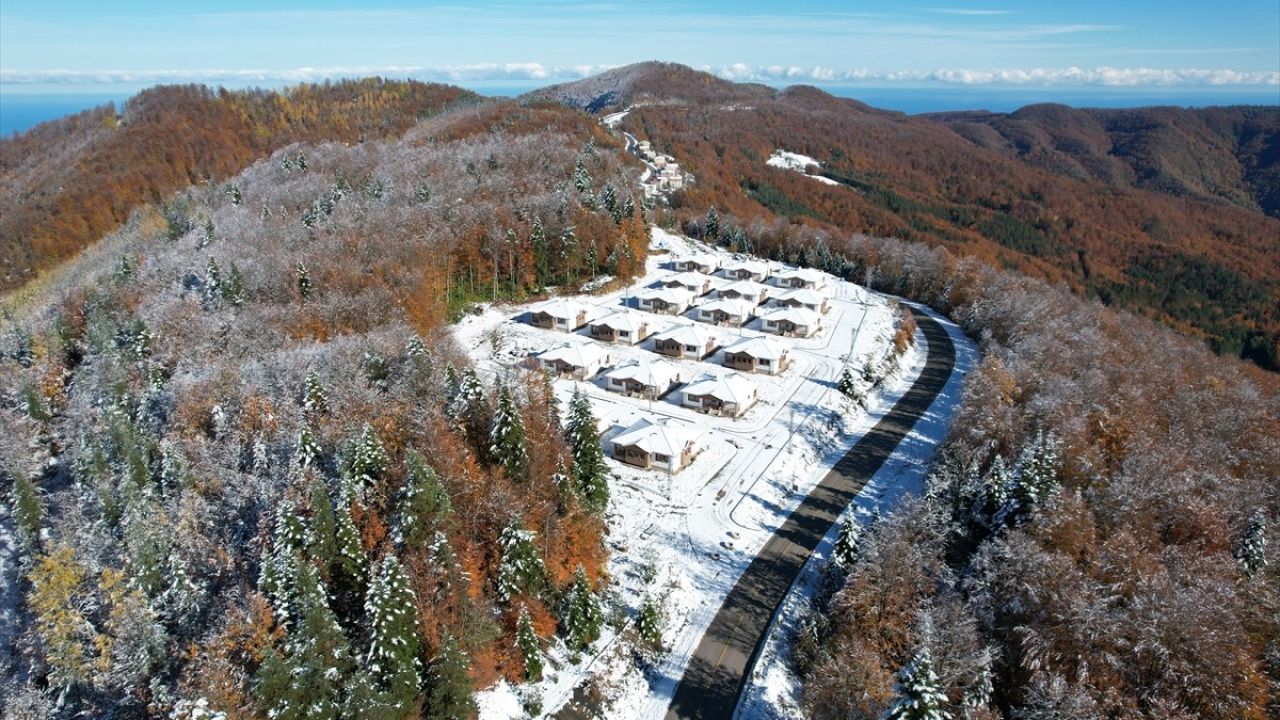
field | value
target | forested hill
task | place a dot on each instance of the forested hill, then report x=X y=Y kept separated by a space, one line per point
x=1168 y=219
x=68 y=182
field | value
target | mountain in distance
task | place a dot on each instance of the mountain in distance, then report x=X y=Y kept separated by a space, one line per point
x=1171 y=212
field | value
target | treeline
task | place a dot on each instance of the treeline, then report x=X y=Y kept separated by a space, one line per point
x=251 y=474
x=1097 y=535
x=69 y=182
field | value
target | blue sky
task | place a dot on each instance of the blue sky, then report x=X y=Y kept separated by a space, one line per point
x=1081 y=44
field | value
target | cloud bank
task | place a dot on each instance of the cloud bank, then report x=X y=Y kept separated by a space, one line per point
x=771 y=74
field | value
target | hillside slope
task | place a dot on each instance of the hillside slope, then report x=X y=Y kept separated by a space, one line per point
x=70 y=181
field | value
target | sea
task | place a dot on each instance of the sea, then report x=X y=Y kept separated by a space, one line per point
x=21 y=107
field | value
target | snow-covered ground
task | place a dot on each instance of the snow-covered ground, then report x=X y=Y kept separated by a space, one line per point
x=684 y=539
x=612 y=120
x=799 y=163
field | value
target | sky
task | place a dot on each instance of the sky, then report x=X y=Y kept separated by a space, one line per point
x=1172 y=45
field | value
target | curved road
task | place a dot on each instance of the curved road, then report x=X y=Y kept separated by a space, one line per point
x=727 y=652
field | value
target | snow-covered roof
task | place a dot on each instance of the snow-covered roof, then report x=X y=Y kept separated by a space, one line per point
x=624 y=320
x=797 y=315
x=733 y=306
x=577 y=355
x=758 y=347
x=745 y=287
x=562 y=308
x=806 y=274
x=655 y=373
x=694 y=335
x=689 y=278
x=731 y=387
x=701 y=259
x=659 y=435
x=675 y=295
x=805 y=296
x=755 y=267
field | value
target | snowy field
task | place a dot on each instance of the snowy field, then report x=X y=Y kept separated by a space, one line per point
x=684 y=539
x=798 y=163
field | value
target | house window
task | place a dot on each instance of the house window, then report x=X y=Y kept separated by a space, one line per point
x=624 y=333
x=560 y=322
x=660 y=458
x=764 y=363
x=691 y=348
x=618 y=382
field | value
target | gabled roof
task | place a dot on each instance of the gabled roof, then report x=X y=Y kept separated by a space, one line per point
x=676 y=295
x=756 y=267
x=758 y=347
x=732 y=306
x=806 y=274
x=797 y=315
x=562 y=308
x=659 y=435
x=688 y=277
x=731 y=387
x=701 y=259
x=695 y=335
x=745 y=287
x=656 y=373
x=577 y=355
x=806 y=296
x=624 y=320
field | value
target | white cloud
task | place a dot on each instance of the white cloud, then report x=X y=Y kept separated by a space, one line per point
x=480 y=72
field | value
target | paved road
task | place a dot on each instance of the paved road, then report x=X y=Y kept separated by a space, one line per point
x=719 y=667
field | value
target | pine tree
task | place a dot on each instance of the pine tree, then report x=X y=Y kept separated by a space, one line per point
x=424 y=505
x=583 y=614
x=520 y=569
x=314 y=398
x=1034 y=479
x=280 y=567
x=470 y=409
x=448 y=685
x=994 y=493
x=507 y=444
x=351 y=570
x=581 y=178
x=848 y=546
x=28 y=511
x=847 y=386
x=1251 y=550
x=212 y=281
x=302 y=280
x=527 y=644
x=589 y=468
x=308 y=449
x=541 y=252
x=566 y=492
x=711 y=227
x=417 y=349
x=649 y=623
x=322 y=541
x=368 y=459
x=918 y=695
x=390 y=612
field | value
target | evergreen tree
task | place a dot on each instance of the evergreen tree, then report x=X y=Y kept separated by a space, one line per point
x=527 y=644
x=541 y=252
x=424 y=505
x=212 y=281
x=322 y=541
x=566 y=493
x=1034 y=480
x=314 y=397
x=583 y=614
x=847 y=386
x=919 y=696
x=416 y=349
x=368 y=459
x=993 y=494
x=28 y=511
x=470 y=409
x=581 y=178
x=649 y=623
x=302 y=280
x=520 y=569
x=280 y=567
x=589 y=468
x=848 y=546
x=351 y=569
x=711 y=227
x=507 y=444
x=233 y=289
x=448 y=685
x=390 y=612
x=1251 y=550
x=308 y=449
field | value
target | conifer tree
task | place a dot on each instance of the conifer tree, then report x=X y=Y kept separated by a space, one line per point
x=583 y=614
x=308 y=449
x=424 y=505
x=280 y=567
x=1251 y=550
x=416 y=349
x=848 y=544
x=919 y=696
x=581 y=178
x=994 y=492
x=541 y=252
x=28 y=511
x=520 y=569
x=507 y=444
x=351 y=569
x=527 y=644
x=322 y=541
x=314 y=398
x=847 y=386
x=302 y=280
x=649 y=623
x=448 y=685
x=390 y=612
x=212 y=281
x=1034 y=479
x=711 y=227
x=368 y=459
x=566 y=493
x=589 y=468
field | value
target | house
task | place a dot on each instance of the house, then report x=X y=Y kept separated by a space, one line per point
x=665 y=300
x=643 y=379
x=729 y=394
x=660 y=443
x=562 y=314
x=577 y=361
x=756 y=270
x=749 y=290
x=705 y=263
x=694 y=282
x=802 y=298
x=757 y=354
x=801 y=278
x=725 y=311
x=622 y=326
x=685 y=341
x=792 y=321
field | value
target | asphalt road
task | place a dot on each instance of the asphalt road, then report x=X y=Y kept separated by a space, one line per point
x=726 y=654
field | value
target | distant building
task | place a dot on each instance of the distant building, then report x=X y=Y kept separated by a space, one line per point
x=685 y=341
x=749 y=290
x=704 y=263
x=726 y=312
x=757 y=355
x=580 y=361
x=660 y=443
x=801 y=278
x=562 y=314
x=802 y=298
x=756 y=270
x=651 y=379
x=792 y=321
x=665 y=300
x=622 y=326
x=730 y=394
x=694 y=282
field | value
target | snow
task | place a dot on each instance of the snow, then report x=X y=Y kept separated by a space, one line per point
x=686 y=538
x=612 y=120
x=798 y=163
